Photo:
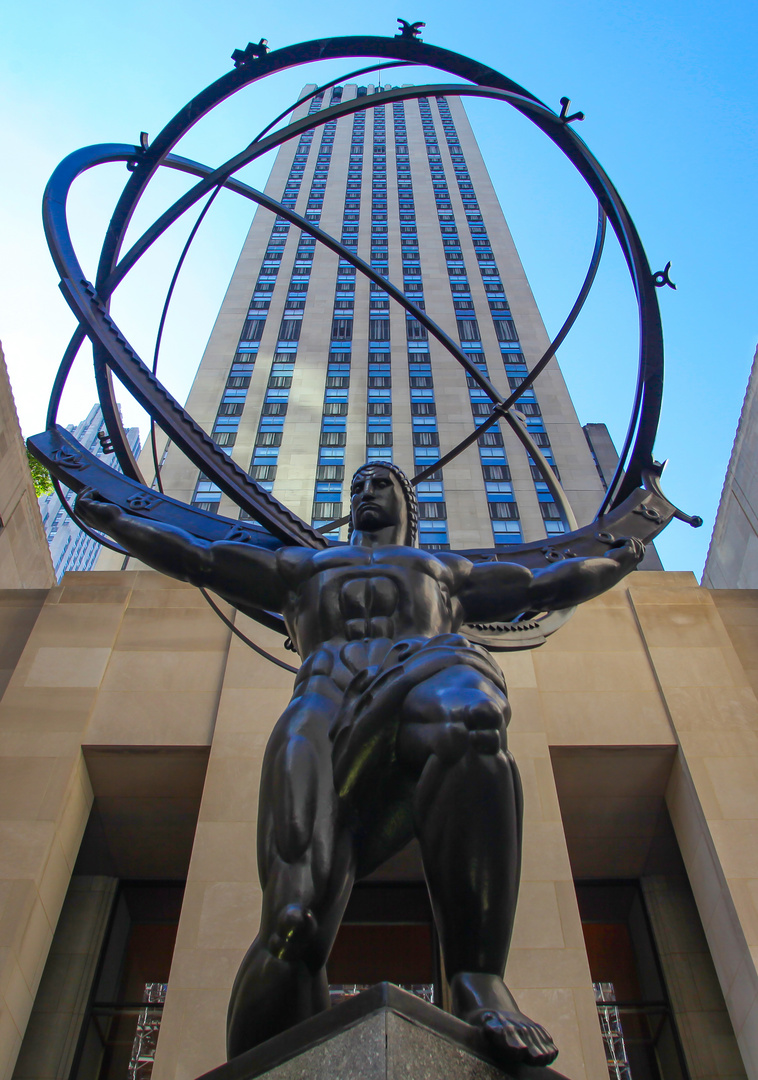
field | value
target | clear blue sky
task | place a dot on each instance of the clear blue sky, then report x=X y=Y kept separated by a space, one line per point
x=669 y=94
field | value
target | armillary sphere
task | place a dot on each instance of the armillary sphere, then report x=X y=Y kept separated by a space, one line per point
x=633 y=505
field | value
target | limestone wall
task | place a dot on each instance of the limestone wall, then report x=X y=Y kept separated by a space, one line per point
x=24 y=555
x=640 y=699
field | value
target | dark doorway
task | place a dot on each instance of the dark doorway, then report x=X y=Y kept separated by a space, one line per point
x=120 y=1032
x=387 y=935
x=636 y=1020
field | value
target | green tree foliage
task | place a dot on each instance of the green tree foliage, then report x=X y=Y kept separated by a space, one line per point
x=43 y=485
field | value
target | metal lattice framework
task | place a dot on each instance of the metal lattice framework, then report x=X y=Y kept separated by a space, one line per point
x=627 y=509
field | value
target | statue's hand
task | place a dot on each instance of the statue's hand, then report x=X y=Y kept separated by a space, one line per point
x=627 y=552
x=96 y=511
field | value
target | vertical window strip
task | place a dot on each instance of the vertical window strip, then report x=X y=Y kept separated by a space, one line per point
x=504 y=328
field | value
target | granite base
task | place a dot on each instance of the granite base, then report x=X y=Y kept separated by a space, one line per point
x=382 y=1034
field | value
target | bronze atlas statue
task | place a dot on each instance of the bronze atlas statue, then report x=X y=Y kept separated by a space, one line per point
x=397 y=723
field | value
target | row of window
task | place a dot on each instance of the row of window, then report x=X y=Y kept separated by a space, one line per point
x=274 y=408
x=379 y=406
x=503 y=508
x=327 y=494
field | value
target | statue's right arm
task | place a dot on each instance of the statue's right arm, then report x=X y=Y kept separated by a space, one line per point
x=239 y=572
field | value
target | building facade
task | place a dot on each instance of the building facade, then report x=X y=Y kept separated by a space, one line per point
x=70 y=548
x=24 y=559
x=134 y=722
x=732 y=561
x=311 y=370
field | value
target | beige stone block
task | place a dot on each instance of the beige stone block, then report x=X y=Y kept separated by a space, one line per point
x=747 y=1038
x=682 y=624
x=577 y=718
x=10 y=1044
x=554 y=1009
x=150 y=671
x=153 y=717
x=208 y=967
x=203 y=1032
x=54 y=882
x=231 y=789
x=250 y=745
x=518 y=668
x=35 y=943
x=251 y=710
x=568 y=909
x=593 y=1050
x=23 y=848
x=244 y=669
x=75 y=814
x=17 y=997
x=743 y=991
x=538 y=922
x=598 y=628
x=527 y=713
x=706 y=667
x=546 y=968
x=230 y=916
x=173 y=629
x=735 y=784
x=45 y=711
x=705 y=878
x=80 y=625
x=528 y=744
x=705 y=791
x=101 y=589
x=607 y=671
x=67 y=667
x=728 y=710
x=545 y=857
x=735 y=842
x=23 y=784
x=62 y=777
x=224 y=851
x=17 y=899
x=726 y=942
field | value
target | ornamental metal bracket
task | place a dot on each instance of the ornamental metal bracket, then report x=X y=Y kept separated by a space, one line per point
x=564 y=116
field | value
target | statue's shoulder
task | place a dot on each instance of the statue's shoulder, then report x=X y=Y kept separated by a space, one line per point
x=458 y=565
x=299 y=563
x=294 y=562
x=445 y=566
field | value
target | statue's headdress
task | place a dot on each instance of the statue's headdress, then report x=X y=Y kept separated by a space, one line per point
x=409 y=494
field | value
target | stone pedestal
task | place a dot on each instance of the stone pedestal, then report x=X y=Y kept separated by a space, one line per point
x=381 y=1034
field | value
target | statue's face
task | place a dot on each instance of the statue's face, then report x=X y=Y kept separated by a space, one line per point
x=377 y=501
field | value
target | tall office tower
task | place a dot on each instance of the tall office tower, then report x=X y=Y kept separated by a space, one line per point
x=70 y=548
x=311 y=370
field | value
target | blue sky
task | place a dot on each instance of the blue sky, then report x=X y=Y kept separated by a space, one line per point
x=669 y=97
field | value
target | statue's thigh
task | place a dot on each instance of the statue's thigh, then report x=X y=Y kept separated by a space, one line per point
x=297 y=802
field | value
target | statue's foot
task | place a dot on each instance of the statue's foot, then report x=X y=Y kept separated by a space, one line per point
x=485 y=1002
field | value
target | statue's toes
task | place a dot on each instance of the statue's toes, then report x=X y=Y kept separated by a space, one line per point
x=542 y=1049
x=504 y=1037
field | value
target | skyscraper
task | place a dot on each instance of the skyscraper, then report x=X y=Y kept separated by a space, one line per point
x=310 y=369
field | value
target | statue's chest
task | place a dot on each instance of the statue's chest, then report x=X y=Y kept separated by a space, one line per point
x=368 y=605
x=373 y=596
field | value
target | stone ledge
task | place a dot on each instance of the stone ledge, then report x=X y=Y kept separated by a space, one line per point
x=382 y=1034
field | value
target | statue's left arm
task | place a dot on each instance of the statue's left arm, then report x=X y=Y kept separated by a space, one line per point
x=501 y=591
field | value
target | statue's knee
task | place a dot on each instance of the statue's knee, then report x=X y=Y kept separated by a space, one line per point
x=296 y=927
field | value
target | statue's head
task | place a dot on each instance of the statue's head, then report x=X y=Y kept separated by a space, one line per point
x=381 y=496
